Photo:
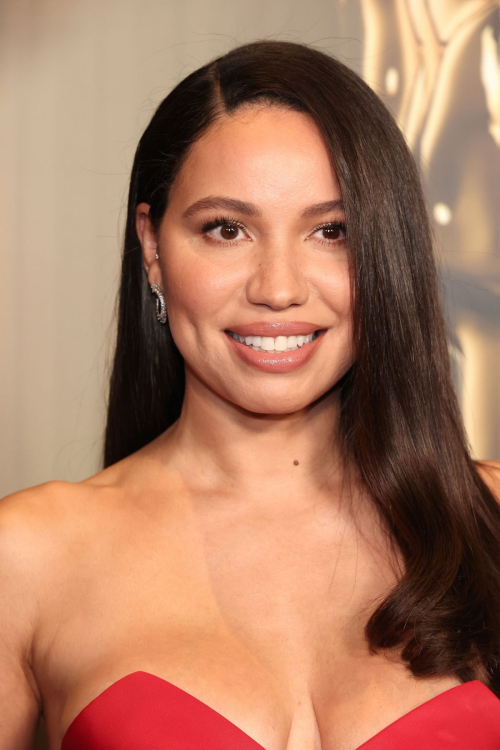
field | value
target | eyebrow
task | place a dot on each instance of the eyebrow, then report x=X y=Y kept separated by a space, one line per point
x=250 y=209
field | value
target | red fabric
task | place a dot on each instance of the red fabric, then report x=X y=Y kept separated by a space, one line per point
x=144 y=712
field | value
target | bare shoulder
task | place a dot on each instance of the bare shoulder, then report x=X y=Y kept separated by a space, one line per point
x=39 y=532
x=25 y=520
x=25 y=575
x=32 y=523
x=47 y=530
x=38 y=528
x=31 y=518
x=489 y=472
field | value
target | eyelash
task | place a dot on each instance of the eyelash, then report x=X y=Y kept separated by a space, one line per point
x=220 y=221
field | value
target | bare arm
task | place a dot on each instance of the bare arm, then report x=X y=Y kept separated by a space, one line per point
x=20 y=701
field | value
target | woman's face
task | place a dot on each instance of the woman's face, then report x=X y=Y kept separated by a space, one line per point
x=274 y=257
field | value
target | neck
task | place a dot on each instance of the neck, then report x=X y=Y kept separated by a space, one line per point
x=220 y=448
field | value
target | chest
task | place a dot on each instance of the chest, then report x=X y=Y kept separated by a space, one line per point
x=261 y=622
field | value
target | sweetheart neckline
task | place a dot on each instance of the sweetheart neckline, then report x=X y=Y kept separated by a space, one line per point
x=238 y=729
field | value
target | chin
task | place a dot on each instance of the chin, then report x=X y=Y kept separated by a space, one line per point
x=276 y=405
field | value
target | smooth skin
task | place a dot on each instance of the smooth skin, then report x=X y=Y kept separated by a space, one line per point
x=224 y=556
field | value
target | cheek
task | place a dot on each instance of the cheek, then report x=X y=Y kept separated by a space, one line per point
x=336 y=293
x=196 y=288
x=336 y=290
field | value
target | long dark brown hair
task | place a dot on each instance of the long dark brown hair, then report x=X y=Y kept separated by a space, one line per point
x=400 y=421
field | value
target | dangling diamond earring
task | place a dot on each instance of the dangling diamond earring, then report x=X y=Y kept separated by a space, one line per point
x=161 y=308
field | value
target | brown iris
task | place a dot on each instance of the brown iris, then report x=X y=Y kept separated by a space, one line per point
x=228 y=231
x=331 y=233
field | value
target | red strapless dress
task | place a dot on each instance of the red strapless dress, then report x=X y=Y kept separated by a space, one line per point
x=144 y=712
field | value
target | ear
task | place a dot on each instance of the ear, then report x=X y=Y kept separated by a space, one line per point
x=147 y=238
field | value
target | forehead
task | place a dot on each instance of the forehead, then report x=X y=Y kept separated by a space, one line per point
x=260 y=153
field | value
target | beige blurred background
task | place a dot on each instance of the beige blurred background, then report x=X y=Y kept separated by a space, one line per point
x=79 y=80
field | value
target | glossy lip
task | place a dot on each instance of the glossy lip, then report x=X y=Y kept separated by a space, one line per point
x=265 y=328
x=276 y=361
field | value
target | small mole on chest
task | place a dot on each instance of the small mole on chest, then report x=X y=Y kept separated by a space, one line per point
x=296 y=463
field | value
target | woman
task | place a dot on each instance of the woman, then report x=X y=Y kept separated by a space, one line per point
x=289 y=545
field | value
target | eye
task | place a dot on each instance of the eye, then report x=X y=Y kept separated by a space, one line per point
x=333 y=232
x=228 y=230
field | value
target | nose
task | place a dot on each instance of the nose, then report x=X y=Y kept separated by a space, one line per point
x=277 y=278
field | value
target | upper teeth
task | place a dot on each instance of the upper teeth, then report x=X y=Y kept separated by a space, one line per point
x=278 y=344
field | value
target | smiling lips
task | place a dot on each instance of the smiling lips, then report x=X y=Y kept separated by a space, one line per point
x=271 y=352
